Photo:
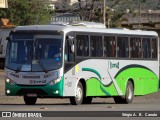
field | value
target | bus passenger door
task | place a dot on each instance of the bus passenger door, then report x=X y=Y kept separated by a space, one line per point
x=69 y=56
x=69 y=62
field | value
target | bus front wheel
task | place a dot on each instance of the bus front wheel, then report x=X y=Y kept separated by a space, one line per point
x=30 y=100
x=77 y=100
x=129 y=95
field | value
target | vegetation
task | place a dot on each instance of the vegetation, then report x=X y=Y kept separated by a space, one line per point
x=27 y=12
x=92 y=10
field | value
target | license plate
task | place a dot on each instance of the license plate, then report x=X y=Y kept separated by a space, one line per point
x=32 y=95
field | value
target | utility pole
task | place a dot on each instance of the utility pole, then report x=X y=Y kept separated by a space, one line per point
x=139 y=16
x=104 y=12
x=109 y=22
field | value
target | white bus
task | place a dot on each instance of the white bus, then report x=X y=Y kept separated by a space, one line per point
x=80 y=62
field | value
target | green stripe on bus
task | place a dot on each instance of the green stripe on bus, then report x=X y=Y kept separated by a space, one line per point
x=100 y=79
x=145 y=81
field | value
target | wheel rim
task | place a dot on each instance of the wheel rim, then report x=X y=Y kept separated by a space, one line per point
x=78 y=93
x=129 y=93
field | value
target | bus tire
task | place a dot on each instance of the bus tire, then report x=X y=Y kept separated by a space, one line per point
x=128 y=98
x=87 y=100
x=77 y=100
x=30 y=100
x=129 y=93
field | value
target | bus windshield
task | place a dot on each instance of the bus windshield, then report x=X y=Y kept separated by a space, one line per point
x=42 y=53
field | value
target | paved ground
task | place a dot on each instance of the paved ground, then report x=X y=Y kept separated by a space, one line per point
x=89 y=107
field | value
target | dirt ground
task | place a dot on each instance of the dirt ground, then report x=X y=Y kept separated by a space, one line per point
x=152 y=98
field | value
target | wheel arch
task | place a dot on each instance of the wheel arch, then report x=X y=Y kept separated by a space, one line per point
x=83 y=82
x=132 y=81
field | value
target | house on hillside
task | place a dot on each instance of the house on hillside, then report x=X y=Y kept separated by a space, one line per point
x=5 y=23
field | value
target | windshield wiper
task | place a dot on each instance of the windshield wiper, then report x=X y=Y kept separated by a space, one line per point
x=19 y=69
x=42 y=66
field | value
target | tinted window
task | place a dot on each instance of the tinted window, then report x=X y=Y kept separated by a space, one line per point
x=154 y=48
x=135 y=48
x=82 y=45
x=96 y=49
x=122 y=47
x=146 y=47
x=109 y=46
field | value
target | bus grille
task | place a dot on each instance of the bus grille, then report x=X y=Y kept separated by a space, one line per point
x=31 y=77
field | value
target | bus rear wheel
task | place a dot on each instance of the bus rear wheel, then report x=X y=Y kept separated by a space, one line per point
x=30 y=100
x=77 y=100
x=128 y=98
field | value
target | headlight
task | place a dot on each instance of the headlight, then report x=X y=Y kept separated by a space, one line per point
x=9 y=81
x=55 y=81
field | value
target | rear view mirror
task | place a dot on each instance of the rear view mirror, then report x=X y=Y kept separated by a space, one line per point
x=70 y=39
x=72 y=48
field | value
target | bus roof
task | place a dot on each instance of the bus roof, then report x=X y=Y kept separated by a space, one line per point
x=69 y=28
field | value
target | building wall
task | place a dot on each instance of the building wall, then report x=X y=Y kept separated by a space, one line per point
x=146 y=18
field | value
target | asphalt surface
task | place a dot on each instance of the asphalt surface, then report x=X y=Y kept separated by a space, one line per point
x=89 y=107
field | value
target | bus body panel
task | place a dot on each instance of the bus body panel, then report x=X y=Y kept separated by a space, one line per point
x=110 y=80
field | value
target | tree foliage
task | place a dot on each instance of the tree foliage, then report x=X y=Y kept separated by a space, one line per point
x=89 y=10
x=92 y=10
x=27 y=12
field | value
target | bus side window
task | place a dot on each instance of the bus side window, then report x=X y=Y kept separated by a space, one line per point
x=122 y=47
x=82 y=45
x=135 y=48
x=96 y=46
x=154 y=47
x=110 y=46
x=146 y=46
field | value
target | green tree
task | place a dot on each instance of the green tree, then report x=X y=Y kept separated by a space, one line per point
x=89 y=10
x=27 y=12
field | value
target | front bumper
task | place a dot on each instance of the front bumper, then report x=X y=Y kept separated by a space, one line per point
x=47 y=90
